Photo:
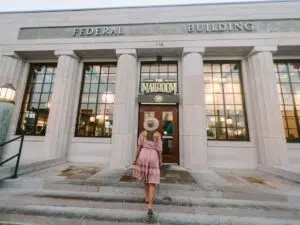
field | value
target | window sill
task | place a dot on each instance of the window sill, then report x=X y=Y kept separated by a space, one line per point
x=293 y=146
x=91 y=140
x=29 y=138
x=233 y=144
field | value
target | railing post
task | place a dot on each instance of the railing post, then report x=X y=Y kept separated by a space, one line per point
x=18 y=159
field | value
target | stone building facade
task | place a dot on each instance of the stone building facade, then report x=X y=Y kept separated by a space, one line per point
x=223 y=79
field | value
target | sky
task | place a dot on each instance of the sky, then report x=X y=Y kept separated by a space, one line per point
x=28 y=5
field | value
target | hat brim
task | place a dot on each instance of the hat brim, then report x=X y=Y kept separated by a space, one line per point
x=155 y=124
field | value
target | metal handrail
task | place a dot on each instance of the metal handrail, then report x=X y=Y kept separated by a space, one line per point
x=16 y=155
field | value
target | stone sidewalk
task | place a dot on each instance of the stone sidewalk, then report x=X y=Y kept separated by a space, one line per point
x=172 y=177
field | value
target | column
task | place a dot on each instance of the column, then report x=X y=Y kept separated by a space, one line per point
x=124 y=124
x=11 y=68
x=60 y=119
x=194 y=135
x=270 y=138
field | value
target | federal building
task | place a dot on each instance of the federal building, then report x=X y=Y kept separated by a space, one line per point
x=223 y=80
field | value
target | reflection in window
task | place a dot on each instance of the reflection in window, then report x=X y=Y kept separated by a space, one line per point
x=225 y=111
x=37 y=100
x=168 y=132
x=288 y=88
x=95 y=117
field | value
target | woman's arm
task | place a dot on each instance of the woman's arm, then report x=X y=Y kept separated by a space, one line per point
x=139 y=148
x=160 y=158
x=159 y=148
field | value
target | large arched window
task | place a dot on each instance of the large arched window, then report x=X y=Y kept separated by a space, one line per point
x=224 y=101
x=288 y=87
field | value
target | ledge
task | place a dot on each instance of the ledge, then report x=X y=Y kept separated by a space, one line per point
x=91 y=140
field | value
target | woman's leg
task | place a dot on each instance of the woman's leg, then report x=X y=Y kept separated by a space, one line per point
x=146 y=188
x=151 y=195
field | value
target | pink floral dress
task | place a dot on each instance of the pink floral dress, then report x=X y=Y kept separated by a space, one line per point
x=147 y=165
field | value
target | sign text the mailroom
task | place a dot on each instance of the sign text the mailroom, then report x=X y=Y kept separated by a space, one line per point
x=150 y=87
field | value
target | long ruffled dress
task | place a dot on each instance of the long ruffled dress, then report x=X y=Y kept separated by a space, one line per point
x=147 y=165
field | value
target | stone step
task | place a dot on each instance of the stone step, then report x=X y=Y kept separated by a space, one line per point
x=15 y=223
x=162 y=191
x=43 y=220
x=137 y=197
x=167 y=204
x=171 y=191
x=135 y=216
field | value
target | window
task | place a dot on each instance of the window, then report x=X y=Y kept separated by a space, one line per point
x=159 y=77
x=224 y=102
x=288 y=88
x=95 y=115
x=37 y=100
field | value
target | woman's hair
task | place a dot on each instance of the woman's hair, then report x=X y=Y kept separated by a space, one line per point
x=152 y=135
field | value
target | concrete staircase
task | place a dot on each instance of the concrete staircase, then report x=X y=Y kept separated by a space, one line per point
x=103 y=199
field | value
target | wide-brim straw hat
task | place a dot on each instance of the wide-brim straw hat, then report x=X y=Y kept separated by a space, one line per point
x=151 y=124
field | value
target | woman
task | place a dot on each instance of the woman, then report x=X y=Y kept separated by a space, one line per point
x=148 y=160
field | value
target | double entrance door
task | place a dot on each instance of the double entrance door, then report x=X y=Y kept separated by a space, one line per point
x=168 y=128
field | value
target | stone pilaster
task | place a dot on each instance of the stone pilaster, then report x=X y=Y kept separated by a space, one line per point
x=11 y=66
x=193 y=132
x=13 y=71
x=269 y=131
x=60 y=119
x=124 y=126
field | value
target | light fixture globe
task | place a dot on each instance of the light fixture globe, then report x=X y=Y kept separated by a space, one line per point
x=7 y=93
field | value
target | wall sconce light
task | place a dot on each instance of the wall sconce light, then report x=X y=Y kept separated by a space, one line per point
x=7 y=93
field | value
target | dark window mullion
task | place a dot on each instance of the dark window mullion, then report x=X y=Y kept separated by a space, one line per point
x=41 y=93
x=213 y=96
x=283 y=103
x=233 y=95
x=294 y=101
x=29 y=95
x=224 y=103
x=97 y=98
x=105 y=104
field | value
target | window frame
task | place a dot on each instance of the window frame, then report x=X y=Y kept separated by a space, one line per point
x=149 y=62
x=296 y=117
x=29 y=82
x=239 y=64
x=85 y=65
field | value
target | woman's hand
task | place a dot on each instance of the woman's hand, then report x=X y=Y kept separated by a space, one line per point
x=134 y=162
x=160 y=163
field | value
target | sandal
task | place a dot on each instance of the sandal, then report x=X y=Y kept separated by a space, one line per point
x=150 y=212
